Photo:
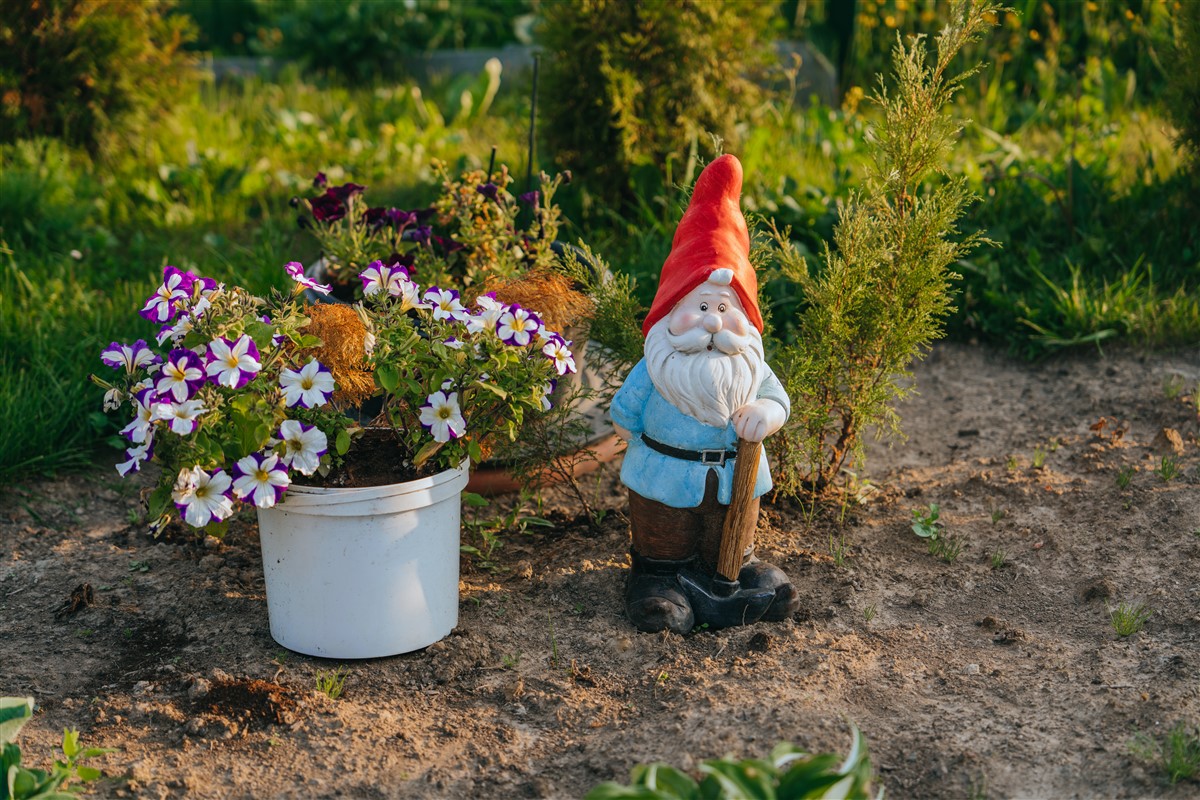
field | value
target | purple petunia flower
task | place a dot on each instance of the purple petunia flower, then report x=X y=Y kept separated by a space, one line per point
x=233 y=364
x=488 y=190
x=311 y=386
x=261 y=479
x=182 y=373
x=166 y=301
x=327 y=208
x=422 y=234
x=516 y=325
x=303 y=446
x=445 y=304
x=135 y=456
x=320 y=181
x=130 y=356
x=345 y=191
x=530 y=198
x=295 y=271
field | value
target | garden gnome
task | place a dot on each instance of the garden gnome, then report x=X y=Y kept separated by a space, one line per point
x=702 y=385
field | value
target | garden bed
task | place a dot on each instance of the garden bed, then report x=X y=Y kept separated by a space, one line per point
x=972 y=677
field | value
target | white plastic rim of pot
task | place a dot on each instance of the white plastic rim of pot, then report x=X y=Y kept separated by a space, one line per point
x=363 y=573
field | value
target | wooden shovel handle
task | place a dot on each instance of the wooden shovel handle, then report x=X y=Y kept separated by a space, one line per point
x=739 y=522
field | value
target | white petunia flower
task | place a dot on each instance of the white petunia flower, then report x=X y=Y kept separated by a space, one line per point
x=233 y=364
x=202 y=498
x=443 y=417
x=260 y=479
x=303 y=446
x=557 y=350
x=310 y=387
x=181 y=417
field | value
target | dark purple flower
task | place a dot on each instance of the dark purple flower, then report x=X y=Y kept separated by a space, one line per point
x=327 y=208
x=530 y=198
x=422 y=234
x=320 y=182
x=399 y=218
x=375 y=217
x=345 y=191
x=488 y=190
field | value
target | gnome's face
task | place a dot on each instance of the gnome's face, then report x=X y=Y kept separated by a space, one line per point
x=705 y=358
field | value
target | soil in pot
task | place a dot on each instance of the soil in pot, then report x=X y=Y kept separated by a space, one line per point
x=373 y=460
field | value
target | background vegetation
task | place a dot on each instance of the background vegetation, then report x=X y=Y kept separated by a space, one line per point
x=1082 y=123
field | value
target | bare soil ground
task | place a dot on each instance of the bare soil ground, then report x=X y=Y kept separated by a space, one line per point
x=967 y=678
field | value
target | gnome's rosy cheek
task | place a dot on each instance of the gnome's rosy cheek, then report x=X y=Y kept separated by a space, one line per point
x=683 y=319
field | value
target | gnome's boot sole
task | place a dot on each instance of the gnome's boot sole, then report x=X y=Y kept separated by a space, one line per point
x=761 y=576
x=653 y=600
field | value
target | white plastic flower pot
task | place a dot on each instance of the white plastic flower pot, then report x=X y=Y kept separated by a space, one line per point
x=363 y=573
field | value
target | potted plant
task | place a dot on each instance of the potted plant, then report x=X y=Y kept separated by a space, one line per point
x=480 y=236
x=244 y=401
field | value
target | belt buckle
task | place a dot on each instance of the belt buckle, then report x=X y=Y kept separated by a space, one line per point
x=713 y=457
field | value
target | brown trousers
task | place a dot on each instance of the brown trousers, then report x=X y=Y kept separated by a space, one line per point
x=675 y=534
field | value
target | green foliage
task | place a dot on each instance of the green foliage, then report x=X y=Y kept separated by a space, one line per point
x=925 y=521
x=1125 y=476
x=82 y=70
x=1129 y=618
x=634 y=90
x=332 y=682
x=364 y=40
x=21 y=783
x=1176 y=753
x=789 y=773
x=884 y=288
x=1182 y=96
x=1167 y=469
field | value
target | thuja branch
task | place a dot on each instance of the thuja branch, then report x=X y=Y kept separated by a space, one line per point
x=884 y=287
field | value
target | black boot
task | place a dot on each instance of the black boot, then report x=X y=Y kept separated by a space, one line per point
x=652 y=597
x=760 y=575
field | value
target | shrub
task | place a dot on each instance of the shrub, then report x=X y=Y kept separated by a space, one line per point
x=82 y=69
x=639 y=86
x=884 y=288
x=1182 y=96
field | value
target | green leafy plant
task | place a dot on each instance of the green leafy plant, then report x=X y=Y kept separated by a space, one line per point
x=788 y=773
x=1129 y=618
x=20 y=783
x=82 y=70
x=1167 y=469
x=1173 y=386
x=885 y=287
x=869 y=613
x=1125 y=476
x=332 y=682
x=1182 y=96
x=1177 y=753
x=999 y=558
x=634 y=90
x=925 y=521
x=1039 y=457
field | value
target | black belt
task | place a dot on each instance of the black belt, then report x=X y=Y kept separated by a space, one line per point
x=715 y=458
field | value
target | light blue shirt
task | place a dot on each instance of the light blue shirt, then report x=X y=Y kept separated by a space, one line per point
x=639 y=408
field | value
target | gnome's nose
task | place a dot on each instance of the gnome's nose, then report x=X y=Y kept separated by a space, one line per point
x=712 y=323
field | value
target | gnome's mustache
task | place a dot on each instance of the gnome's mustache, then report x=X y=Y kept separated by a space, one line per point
x=696 y=340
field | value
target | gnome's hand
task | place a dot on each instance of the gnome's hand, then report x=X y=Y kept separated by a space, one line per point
x=757 y=420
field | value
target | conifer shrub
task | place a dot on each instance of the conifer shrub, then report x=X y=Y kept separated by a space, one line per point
x=883 y=289
x=631 y=90
x=1182 y=96
x=80 y=70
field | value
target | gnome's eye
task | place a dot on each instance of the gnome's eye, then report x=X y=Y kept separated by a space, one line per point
x=721 y=308
x=704 y=307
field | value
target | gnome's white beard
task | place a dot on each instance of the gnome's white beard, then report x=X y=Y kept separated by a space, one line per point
x=707 y=384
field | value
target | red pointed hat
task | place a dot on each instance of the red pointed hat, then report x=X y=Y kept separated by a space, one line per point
x=712 y=235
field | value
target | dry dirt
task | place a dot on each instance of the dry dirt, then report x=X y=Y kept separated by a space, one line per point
x=968 y=680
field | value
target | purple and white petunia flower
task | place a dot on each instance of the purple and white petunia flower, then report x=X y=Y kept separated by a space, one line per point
x=311 y=386
x=377 y=278
x=139 y=430
x=548 y=390
x=202 y=498
x=558 y=352
x=182 y=373
x=233 y=364
x=303 y=446
x=295 y=271
x=261 y=479
x=112 y=399
x=445 y=303
x=166 y=301
x=182 y=418
x=516 y=325
x=135 y=456
x=130 y=356
x=443 y=417
x=490 y=310
x=454 y=343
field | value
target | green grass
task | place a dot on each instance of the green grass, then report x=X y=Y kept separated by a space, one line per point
x=1129 y=618
x=1176 y=753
